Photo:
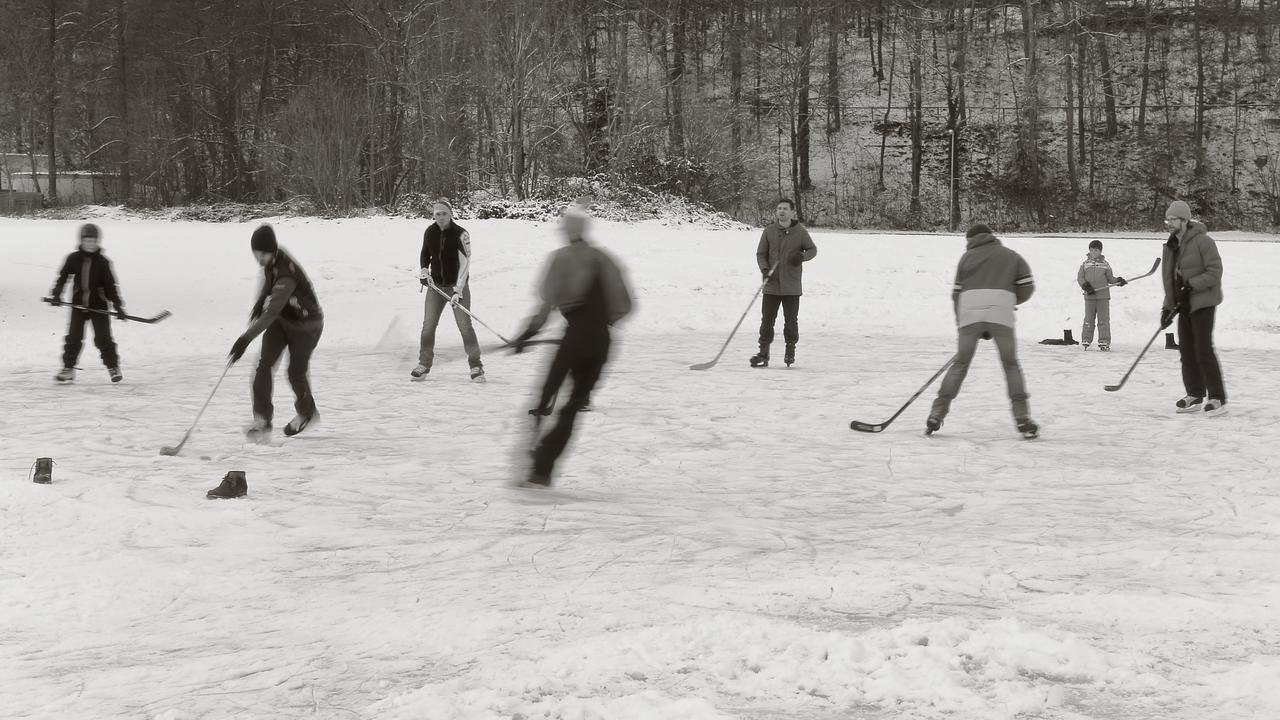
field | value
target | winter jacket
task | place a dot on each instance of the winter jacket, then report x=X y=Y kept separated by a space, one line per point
x=286 y=295
x=990 y=280
x=781 y=245
x=571 y=276
x=94 y=283
x=1192 y=261
x=1098 y=274
x=448 y=255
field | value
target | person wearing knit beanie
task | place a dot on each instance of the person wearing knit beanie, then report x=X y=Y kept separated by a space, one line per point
x=288 y=317
x=264 y=240
x=1192 y=275
x=990 y=281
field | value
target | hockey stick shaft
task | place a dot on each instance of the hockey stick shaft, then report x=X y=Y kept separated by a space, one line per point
x=469 y=313
x=716 y=359
x=174 y=450
x=147 y=320
x=877 y=427
x=1152 y=271
x=1123 y=380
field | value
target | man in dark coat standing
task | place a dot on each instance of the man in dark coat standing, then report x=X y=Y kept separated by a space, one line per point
x=288 y=316
x=784 y=245
x=93 y=286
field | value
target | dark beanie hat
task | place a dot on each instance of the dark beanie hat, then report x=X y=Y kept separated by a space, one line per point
x=978 y=229
x=89 y=230
x=1095 y=245
x=264 y=239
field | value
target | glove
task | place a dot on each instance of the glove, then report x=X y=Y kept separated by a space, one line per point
x=764 y=274
x=1184 y=295
x=238 y=347
x=455 y=299
x=1166 y=317
x=1088 y=289
x=519 y=344
x=1121 y=282
x=121 y=315
x=51 y=300
x=796 y=258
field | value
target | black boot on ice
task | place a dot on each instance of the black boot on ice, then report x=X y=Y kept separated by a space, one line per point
x=233 y=485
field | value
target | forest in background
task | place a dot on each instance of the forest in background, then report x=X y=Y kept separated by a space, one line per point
x=1032 y=114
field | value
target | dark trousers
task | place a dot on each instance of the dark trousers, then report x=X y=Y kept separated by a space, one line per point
x=300 y=340
x=101 y=338
x=582 y=355
x=1201 y=375
x=769 y=317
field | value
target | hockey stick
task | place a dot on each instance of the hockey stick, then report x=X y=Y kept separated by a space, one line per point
x=878 y=427
x=166 y=450
x=716 y=359
x=1113 y=388
x=162 y=314
x=1154 y=265
x=468 y=312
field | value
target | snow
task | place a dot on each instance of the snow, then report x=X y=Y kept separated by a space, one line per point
x=719 y=544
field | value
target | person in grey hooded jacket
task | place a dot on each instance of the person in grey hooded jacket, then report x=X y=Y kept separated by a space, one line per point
x=1192 y=275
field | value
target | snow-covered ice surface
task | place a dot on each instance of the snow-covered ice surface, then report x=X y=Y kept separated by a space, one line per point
x=719 y=543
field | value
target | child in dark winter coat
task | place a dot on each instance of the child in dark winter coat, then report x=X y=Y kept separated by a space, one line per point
x=1095 y=280
x=93 y=289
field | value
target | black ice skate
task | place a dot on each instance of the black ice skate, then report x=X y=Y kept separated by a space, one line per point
x=65 y=375
x=932 y=425
x=259 y=431
x=759 y=360
x=300 y=423
x=1189 y=404
x=1029 y=429
x=790 y=356
x=116 y=376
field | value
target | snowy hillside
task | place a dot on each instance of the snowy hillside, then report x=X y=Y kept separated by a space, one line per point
x=719 y=544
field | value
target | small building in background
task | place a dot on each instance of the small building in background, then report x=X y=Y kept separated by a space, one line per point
x=20 y=176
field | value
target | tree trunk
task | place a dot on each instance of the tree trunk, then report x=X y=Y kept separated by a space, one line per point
x=122 y=76
x=804 y=40
x=835 y=23
x=51 y=103
x=916 y=94
x=1072 y=176
x=676 y=76
x=1030 y=120
x=1108 y=87
x=736 y=28
x=1198 y=40
x=1146 y=75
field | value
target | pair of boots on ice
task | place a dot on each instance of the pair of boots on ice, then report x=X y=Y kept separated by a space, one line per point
x=761 y=359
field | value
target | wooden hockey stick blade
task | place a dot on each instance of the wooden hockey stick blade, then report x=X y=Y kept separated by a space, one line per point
x=1111 y=388
x=705 y=365
x=866 y=427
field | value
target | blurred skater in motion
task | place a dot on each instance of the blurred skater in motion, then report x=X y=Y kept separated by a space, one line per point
x=590 y=291
x=93 y=286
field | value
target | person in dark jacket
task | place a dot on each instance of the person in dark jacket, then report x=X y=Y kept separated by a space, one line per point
x=590 y=291
x=991 y=280
x=93 y=290
x=445 y=262
x=783 y=246
x=1192 y=275
x=288 y=316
